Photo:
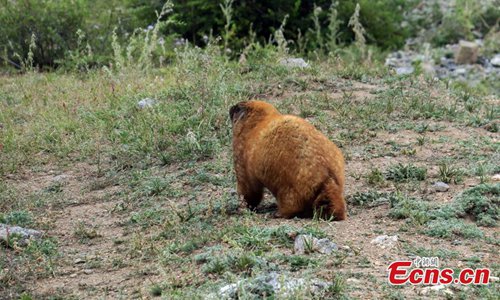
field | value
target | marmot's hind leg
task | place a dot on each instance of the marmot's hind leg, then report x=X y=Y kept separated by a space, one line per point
x=252 y=193
x=330 y=202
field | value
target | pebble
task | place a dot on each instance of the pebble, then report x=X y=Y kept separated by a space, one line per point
x=305 y=243
x=496 y=177
x=146 y=103
x=441 y=186
x=294 y=63
x=495 y=60
x=385 y=241
x=79 y=261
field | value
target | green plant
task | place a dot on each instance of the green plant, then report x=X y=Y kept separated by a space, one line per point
x=449 y=173
x=375 y=177
x=369 y=199
x=357 y=28
x=403 y=173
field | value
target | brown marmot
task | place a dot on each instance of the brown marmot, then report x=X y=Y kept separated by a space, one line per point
x=290 y=157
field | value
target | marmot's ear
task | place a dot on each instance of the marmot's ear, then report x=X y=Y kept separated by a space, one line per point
x=237 y=111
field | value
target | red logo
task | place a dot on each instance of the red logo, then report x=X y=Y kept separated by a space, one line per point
x=426 y=271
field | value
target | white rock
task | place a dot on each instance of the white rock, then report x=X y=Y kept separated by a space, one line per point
x=494 y=279
x=440 y=186
x=79 y=261
x=496 y=177
x=385 y=241
x=60 y=178
x=434 y=288
x=309 y=243
x=353 y=280
x=282 y=286
x=405 y=70
x=23 y=234
x=496 y=60
x=294 y=63
x=146 y=103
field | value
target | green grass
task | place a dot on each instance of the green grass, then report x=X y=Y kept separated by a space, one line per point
x=481 y=203
x=165 y=173
x=403 y=173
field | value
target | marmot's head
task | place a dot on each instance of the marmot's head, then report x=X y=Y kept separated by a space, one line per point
x=252 y=108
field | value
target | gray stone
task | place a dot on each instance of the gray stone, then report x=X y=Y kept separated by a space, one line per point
x=467 y=52
x=79 y=261
x=294 y=63
x=60 y=178
x=405 y=70
x=307 y=243
x=440 y=186
x=273 y=283
x=146 y=103
x=435 y=288
x=495 y=61
x=22 y=235
x=385 y=241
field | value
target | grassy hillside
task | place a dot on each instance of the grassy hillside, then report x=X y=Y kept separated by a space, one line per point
x=140 y=202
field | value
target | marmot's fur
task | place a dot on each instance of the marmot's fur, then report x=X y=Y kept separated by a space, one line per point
x=290 y=157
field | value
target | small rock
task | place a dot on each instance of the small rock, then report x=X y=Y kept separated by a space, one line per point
x=495 y=177
x=353 y=280
x=434 y=288
x=146 y=103
x=79 y=261
x=495 y=61
x=270 y=284
x=467 y=52
x=60 y=178
x=22 y=234
x=73 y=275
x=294 y=63
x=88 y=271
x=385 y=241
x=440 y=186
x=494 y=279
x=405 y=70
x=308 y=243
x=461 y=71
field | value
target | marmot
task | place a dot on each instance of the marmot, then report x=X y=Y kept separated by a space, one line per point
x=290 y=157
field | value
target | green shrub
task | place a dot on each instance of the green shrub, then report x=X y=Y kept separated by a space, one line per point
x=403 y=173
x=481 y=202
x=52 y=23
x=442 y=228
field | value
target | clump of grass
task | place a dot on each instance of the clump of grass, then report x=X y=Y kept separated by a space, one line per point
x=375 y=177
x=448 y=173
x=156 y=290
x=337 y=287
x=239 y=262
x=404 y=173
x=449 y=228
x=369 y=199
x=17 y=217
x=481 y=202
x=414 y=210
x=85 y=232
